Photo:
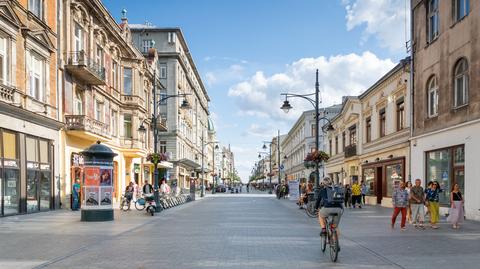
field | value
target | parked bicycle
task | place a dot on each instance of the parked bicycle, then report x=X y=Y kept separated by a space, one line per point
x=331 y=238
x=125 y=203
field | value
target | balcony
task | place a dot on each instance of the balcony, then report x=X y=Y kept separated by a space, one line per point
x=7 y=94
x=87 y=126
x=131 y=143
x=133 y=100
x=162 y=125
x=350 y=151
x=84 y=68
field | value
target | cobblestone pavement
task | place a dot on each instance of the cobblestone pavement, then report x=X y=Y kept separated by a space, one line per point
x=222 y=231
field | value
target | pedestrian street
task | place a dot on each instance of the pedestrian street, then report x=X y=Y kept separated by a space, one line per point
x=229 y=231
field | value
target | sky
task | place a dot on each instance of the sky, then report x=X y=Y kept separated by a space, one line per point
x=249 y=51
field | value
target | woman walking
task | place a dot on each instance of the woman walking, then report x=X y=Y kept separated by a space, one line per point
x=409 y=209
x=348 y=196
x=432 y=196
x=456 y=211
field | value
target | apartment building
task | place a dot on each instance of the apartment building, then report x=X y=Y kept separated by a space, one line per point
x=29 y=115
x=446 y=97
x=105 y=84
x=177 y=71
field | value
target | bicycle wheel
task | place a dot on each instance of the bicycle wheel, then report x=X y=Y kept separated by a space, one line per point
x=138 y=204
x=333 y=245
x=311 y=211
x=125 y=205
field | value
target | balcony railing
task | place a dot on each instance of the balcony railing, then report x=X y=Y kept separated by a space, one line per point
x=132 y=143
x=7 y=94
x=350 y=151
x=85 y=123
x=133 y=100
x=85 y=68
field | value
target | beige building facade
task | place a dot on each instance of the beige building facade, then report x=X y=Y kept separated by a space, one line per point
x=446 y=91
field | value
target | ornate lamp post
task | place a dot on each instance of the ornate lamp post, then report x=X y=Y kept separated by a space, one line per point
x=316 y=104
x=202 y=192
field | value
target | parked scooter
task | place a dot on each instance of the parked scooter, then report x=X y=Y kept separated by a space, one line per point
x=151 y=206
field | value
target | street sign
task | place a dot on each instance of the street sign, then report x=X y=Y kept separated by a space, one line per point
x=282 y=167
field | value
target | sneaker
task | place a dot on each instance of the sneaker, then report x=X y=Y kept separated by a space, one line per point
x=415 y=225
x=359 y=206
x=403 y=228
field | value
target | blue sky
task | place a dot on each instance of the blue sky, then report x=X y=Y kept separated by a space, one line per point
x=249 y=51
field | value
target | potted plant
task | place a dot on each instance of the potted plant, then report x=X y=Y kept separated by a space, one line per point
x=155 y=158
x=314 y=158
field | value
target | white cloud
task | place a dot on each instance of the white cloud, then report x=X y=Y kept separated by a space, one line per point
x=234 y=72
x=384 y=19
x=339 y=75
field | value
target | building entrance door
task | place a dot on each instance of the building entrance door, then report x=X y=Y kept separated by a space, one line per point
x=379 y=184
x=459 y=178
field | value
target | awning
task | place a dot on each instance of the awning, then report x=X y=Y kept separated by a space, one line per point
x=163 y=164
x=189 y=163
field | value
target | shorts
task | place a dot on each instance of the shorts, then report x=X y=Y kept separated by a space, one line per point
x=326 y=211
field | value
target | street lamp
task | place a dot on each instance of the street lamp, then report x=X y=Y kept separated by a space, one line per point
x=270 y=170
x=270 y=173
x=202 y=191
x=185 y=105
x=315 y=102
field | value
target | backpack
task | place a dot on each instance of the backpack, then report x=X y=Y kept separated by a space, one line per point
x=335 y=195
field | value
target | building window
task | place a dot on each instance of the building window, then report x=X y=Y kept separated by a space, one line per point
x=114 y=122
x=37 y=77
x=146 y=45
x=99 y=56
x=400 y=114
x=353 y=135
x=78 y=38
x=36 y=7
x=127 y=81
x=163 y=70
x=368 y=129
x=344 y=143
x=98 y=110
x=461 y=83
x=432 y=97
x=78 y=102
x=3 y=60
x=336 y=144
x=433 y=25
x=446 y=166
x=163 y=146
x=330 y=146
x=114 y=75
x=172 y=37
x=127 y=125
x=383 y=122
x=314 y=131
x=460 y=9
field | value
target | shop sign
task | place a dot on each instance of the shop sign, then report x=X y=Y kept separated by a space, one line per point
x=31 y=165
x=44 y=167
x=136 y=168
x=77 y=159
x=9 y=163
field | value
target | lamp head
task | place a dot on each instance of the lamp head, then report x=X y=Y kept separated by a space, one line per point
x=264 y=146
x=216 y=147
x=142 y=128
x=286 y=106
x=185 y=104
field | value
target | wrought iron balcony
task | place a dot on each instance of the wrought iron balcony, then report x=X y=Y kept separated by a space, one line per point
x=84 y=68
x=350 y=151
x=86 y=124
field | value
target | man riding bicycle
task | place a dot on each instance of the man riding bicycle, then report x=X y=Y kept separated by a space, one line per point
x=330 y=204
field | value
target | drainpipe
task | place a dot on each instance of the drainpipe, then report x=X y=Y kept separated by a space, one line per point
x=412 y=107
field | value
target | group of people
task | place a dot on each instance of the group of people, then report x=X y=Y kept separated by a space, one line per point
x=411 y=201
x=282 y=190
x=355 y=194
x=147 y=189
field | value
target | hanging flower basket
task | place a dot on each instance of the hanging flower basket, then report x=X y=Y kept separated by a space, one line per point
x=309 y=164
x=157 y=157
x=317 y=157
x=270 y=174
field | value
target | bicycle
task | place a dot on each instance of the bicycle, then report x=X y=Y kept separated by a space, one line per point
x=124 y=203
x=310 y=208
x=331 y=238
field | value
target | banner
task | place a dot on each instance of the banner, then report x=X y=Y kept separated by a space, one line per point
x=294 y=189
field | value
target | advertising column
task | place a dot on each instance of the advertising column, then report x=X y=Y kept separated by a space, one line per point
x=97 y=185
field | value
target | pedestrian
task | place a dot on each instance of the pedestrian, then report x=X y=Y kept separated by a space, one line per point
x=364 y=191
x=433 y=198
x=400 y=202
x=456 y=214
x=417 y=201
x=76 y=195
x=348 y=196
x=147 y=188
x=287 y=191
x=409 y=209
x=356 y=194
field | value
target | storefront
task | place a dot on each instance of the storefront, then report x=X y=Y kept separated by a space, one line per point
x=26 y=173
x=447 y=166
x=381 y=177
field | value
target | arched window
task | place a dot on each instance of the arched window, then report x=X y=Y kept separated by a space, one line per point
x=432 y=91
x=461 y=83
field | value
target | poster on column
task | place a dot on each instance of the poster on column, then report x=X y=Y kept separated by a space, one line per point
x=97 y=187
x=294 y=189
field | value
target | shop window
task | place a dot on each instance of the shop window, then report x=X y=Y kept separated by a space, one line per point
x=394 y=175
x=447 y=167
x=9 y=173
x=39 y=177
x=369 y=177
